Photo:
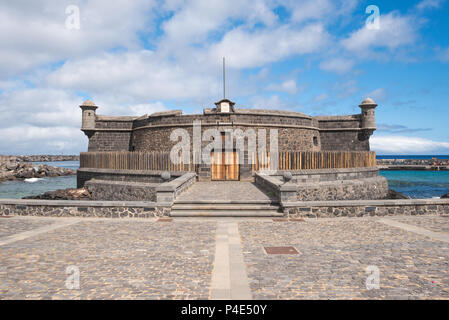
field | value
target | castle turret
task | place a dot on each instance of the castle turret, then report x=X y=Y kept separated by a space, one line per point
x=88 y=122
x=368 y=118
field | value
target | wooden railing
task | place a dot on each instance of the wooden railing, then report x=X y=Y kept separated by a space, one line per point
x=317 y=160
x=287 y=161
x=158 y=161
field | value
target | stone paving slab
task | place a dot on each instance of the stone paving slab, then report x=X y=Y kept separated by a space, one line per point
x=147 y=259
x=224 y=190
x=432 y=223
x=14 y=225
x=141 y=260
x=334 y=256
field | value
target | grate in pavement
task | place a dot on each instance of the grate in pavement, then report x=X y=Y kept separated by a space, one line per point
x=281 y=250
x=5 y=216
x=165 y=220
x=280 y=219
x=297 y=219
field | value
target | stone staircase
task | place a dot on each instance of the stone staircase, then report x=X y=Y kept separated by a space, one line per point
x=225 y=208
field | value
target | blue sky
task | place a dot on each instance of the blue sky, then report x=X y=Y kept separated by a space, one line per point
x=312 y=56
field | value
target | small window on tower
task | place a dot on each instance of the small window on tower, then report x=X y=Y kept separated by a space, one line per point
x=315 y=141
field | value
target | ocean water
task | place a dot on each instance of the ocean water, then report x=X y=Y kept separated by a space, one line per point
x=18 y=189
x=415 y=184
x=418 y=183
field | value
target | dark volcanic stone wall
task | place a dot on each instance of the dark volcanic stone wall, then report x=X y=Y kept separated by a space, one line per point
x=111 y=136
x=121 y=190
x=110 y=141
x=342 y=133
x=343 y=141
x=158 y=139
x=296 y=133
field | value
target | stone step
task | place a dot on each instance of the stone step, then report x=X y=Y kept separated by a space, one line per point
x=212 y=213
x=236 y=207
x=268 y=201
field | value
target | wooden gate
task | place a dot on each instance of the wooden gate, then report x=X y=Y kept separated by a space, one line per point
x=224 y=165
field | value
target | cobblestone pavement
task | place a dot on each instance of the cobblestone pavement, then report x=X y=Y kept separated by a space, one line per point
x=150 y=259
x=224 y=190
x=116 y=260
x=432 y=223
x=334 y=256
x=14 y=225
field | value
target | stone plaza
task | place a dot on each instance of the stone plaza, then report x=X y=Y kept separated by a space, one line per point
x=224 y=258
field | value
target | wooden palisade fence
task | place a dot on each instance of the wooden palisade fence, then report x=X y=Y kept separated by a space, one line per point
x=292 y=160
x=287 y=161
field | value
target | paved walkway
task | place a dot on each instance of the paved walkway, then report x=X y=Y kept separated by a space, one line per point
x=224 y=190
x=218 y=258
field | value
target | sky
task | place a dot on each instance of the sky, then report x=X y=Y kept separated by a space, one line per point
x=319 y=57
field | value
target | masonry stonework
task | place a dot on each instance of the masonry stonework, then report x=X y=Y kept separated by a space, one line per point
x=296 y=131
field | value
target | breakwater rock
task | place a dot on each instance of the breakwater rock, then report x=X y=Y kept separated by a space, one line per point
x=445 y=196
x=64 y=194
x=39 y=158
x=17 y=170
x=396 y=195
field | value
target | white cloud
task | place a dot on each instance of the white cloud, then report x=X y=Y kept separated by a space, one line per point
x=406 y=145
x=395 y=31
x=443 y=55
x=26 y=139
x=34 y=33
x=134 y=77
x=149 y=108
x=272 y=102
x=337 y=65
x=378 y=95
x=321 y=97
x=346 y=88
x=40 y=107
x=311 y=9
x=252 y=49
x=429 y=4
x=322 y=10
x=193 y=22
x=288 y=86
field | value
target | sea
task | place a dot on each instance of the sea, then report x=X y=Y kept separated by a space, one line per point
x=415 y=184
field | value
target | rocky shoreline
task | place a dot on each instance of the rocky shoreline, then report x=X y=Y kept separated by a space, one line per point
x=64 y=194
x=19 y=170
x=39 y=158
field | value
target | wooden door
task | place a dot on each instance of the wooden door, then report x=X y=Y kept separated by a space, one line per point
x=224 y=165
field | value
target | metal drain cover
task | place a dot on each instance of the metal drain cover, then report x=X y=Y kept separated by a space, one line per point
x=165 y=220
x=281 y=250
x=297 y=219
x=280 y=219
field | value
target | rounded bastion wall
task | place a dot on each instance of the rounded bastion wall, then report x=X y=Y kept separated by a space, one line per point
x=294 y=133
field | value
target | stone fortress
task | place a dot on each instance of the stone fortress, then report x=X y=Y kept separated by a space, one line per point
x=320 y=157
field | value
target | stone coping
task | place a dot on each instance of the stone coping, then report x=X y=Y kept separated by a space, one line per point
x=353 y=117
x=269 y=112
x=358 y=203
x=133 y=172
x=123 y=183
x=331 y=170
x=100 y=117
x=219 y=123
x=176 y=183
x=80 y=203
x=272 y=180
